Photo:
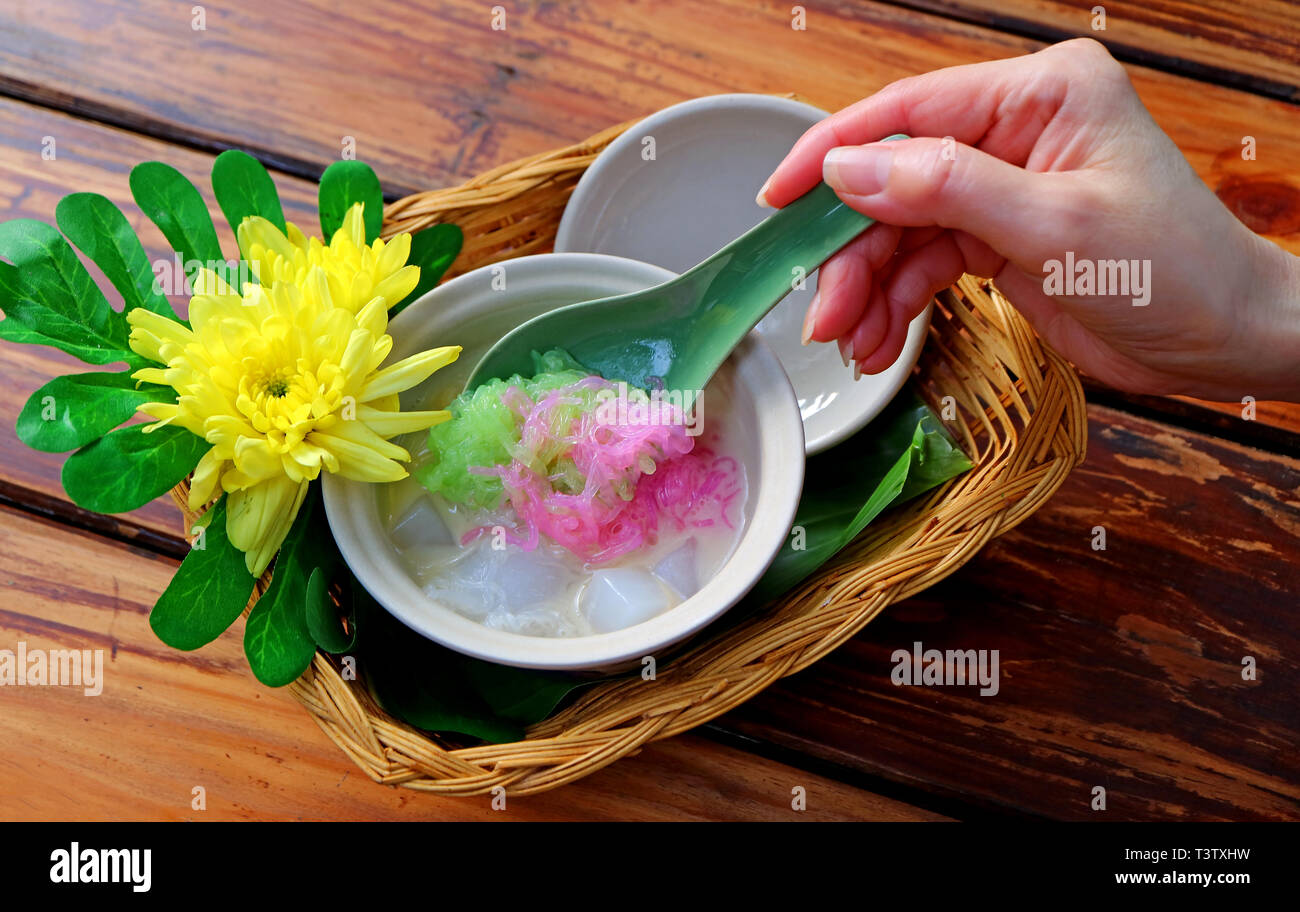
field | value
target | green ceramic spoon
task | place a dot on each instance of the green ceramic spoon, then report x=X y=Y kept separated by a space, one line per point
x=676 y=335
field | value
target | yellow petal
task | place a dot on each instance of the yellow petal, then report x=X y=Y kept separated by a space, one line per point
x=354 y=225
x=397 y=286
x=258 y=519
x=408 y=372
x=356 y=356
x=390 y=424
x=155 y=375
x=393 y=254
x=151 y=331
x=310 y=459
x=357 y=432
x=255 y=231
x=296 y=237
x=254 y=458
x=356 y=461
x=379 y=353
x=374 y=316
x=213 y=284
x=162 y=412
x=226 y=430
x=203 y=486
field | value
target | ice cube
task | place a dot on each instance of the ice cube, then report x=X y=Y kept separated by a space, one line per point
x=464 y=582
x=420 y=526
x=529 y=577
x=397 y=497
x=678 y=569
x=509 y=587
x=622 y=597
x=425 y=562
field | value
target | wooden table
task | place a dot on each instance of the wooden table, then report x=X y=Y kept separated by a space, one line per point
x=1120 y=668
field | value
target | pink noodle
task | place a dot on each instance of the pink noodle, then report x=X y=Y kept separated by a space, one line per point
x=691 y=486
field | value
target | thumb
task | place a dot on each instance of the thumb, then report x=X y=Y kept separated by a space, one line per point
x=928 y=181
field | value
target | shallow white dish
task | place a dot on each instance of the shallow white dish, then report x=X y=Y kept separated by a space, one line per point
x=474 y=310
x=710 y=156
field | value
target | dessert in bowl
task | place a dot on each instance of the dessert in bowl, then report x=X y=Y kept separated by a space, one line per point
x=562 y=520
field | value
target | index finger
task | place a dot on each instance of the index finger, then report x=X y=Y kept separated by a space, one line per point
x=961 y=102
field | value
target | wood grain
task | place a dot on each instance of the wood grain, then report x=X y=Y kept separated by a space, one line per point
x=445 y=96
x=1251 y=45
x=168 y=721
x=1120 y=668
x=1272 y=426
x=92 y=158
x=1272 y=414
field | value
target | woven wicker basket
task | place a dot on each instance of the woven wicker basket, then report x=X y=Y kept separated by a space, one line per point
x=1015 y=406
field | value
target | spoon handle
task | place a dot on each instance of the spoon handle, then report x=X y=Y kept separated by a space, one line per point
x=744 y=280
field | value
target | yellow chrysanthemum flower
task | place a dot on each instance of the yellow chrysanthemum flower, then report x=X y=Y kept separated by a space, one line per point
x=357 y=272
x=284 y=381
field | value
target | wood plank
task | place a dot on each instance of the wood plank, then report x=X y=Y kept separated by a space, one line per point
x=432 y=94
x=168 y=721
x=1120 y=668
x=1273 y=414
x=1254 y=46
x=93 y=158
x=1272 y=426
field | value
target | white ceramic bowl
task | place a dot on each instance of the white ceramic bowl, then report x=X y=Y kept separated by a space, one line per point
x=696 y=195
x=471 y=312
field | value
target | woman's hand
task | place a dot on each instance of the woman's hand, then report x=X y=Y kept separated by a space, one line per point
x=1019 y=169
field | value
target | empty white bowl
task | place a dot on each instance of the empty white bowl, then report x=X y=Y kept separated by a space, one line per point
x=678 y=186
x=476 y=309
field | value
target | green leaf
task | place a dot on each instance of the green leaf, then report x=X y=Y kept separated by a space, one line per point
x=277 y=639
x=436 y=689
x=48 y=297
x=522 y=694
x=343 y=184
x=174 y=204
x=433 y=250
x=243 y=189
x=102 y=232
x=323 y=619
x=277 y=643
x=14 y=331
x=208 y=592
x=71 y=411
x=128 y=468
x=901 y=453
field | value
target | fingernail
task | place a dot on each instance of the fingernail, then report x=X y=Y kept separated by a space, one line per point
x=761 y=199
x=857 y=370
x=810 y=318
x=858 y=170
x=846 y=350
